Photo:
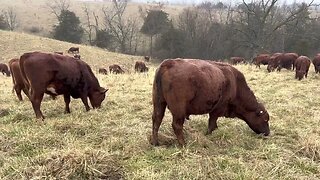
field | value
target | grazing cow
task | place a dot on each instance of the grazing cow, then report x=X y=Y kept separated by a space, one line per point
x=77 y=56
x=140 y=67
x=273 y=62
x=198 y=87
x=147 y=58
x=302 y=65
x=17 y=80
x=316 y=63
x=73 y=50
x=57 y=74
x=4 y=69
x=261 y=59
x=237 y=60
x=58 y=52
x=116 y=69
x=103 y=71
x=287 y=61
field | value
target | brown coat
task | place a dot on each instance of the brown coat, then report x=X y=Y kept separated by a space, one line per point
x=58 y=74
x=316 y=63
x=302 y=65
x=237 y=60
x=199 y=87
x=17 y=80
x=115 y=68
x=140 y=67
x=261 y=59
x=273 y=62
x=103 y=71
x=4 y=69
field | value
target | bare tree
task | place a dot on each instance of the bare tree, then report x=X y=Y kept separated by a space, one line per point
x=56 y=6
x=118 y=25
x=259 y=22
x=10 y=18
x=90 y=27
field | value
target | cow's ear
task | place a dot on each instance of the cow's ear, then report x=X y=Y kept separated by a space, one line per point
x=103 y=90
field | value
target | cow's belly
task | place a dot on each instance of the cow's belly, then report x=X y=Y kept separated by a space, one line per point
x=56 y=89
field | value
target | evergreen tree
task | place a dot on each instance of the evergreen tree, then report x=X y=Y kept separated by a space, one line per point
x=103 y=39
x=155 y=22
x=69 y=28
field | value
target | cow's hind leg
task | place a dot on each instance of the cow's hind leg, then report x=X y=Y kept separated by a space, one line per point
x=36 y=99
x=66 y=98
x=157 y=116
x=177 y=126
x=18 y=92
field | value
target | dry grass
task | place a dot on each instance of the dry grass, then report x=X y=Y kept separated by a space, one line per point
x=112 y=142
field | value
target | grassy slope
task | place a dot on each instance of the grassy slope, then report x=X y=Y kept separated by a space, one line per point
x=112 y=142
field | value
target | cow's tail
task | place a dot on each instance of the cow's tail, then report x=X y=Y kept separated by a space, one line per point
x=157 y=87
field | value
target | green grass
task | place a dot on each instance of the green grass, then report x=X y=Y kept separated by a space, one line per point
x=113 y=142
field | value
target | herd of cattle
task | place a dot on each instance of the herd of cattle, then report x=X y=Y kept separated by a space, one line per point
x=186 y=86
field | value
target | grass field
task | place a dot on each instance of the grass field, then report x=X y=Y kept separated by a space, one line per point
x=113 y=142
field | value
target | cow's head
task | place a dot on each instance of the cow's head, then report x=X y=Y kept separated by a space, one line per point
x=96 y=97
x=258 y=120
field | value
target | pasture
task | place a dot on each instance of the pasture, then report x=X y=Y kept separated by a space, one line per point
x=113 y=142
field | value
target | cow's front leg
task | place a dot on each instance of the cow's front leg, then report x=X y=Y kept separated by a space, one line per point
x=85 y=102
x=66 y=98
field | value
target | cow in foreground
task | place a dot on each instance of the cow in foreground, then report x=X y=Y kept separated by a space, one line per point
x=302 y=65
x=316 y=63
x=58 y=75
x=199 y=87
x=140 y=67
x=4 y=69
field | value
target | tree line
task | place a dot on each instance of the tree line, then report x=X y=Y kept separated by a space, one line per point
x=206 y=31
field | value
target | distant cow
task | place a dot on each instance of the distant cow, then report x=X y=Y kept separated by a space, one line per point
x=147 y=58
x=77 y=56
x=237 y=60
x=57 y=74
x=140 y=67
x=116 y=69
x=273 y=62
x=285 y=60
x=4 y=69
x=58 y=52
x=73 y=50
x=103 y=71
x=261 y=59
x=199 y=87
x=316 y=63
x=302 y=65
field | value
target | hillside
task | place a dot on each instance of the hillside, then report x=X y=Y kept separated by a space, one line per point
x=13 y=45
x=113 y=142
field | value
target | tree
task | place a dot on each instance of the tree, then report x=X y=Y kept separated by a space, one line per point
x=155 y=22
x=3 y=23
x=10 y=18
x=69 y=28
x=103 y=39
x=57 y=6
x=121 y=28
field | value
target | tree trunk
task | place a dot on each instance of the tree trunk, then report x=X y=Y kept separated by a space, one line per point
x=151 y=45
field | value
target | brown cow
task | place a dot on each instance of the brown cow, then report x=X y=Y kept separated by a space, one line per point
x=273 y=62
x=17 y=80
x=58 y=74
x=286 y=60
x=103 y=71
x=4 y=69
x=261 y=59
x=316 y=63
x=302 y=64
x=237 y=60
x=116 y=69
x=198 y=87
x=73 y=50
x=140 y=67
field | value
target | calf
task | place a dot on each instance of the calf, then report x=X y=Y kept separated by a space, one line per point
x=116 y=69
x=103 y=71
x=73 y=50
x=140 y=67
